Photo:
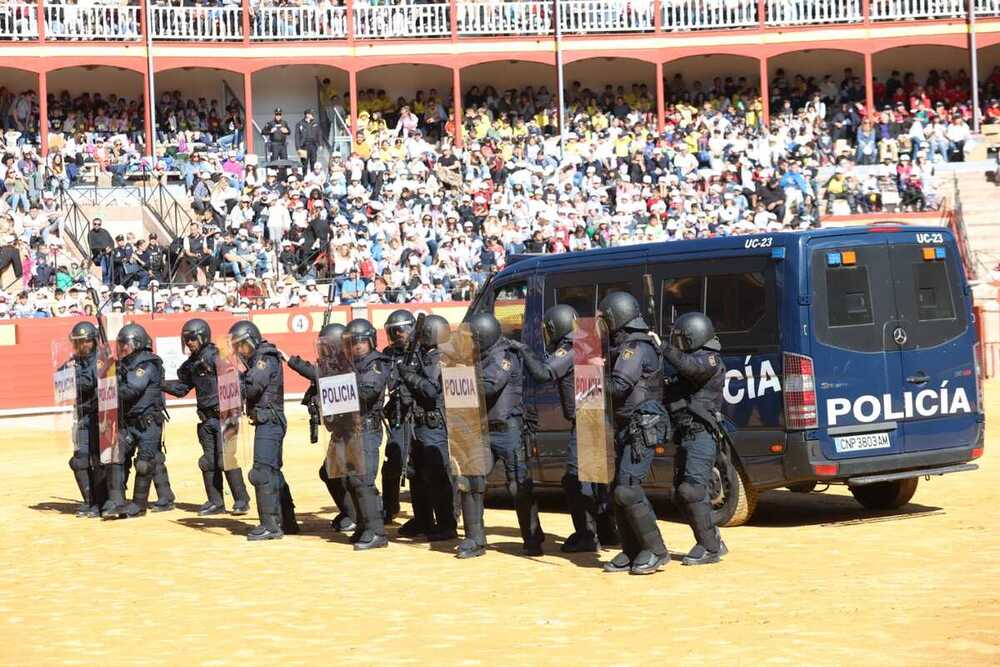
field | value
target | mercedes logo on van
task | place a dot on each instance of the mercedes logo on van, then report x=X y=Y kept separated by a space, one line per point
x=899 y=335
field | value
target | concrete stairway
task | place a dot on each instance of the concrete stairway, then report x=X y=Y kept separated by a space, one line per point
x=981 y=212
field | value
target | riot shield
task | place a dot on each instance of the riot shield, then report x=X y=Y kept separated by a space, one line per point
x=64 y=391
x=233 y=428
x=464 y=405
x=340 y=408
x=594 y=431
x=107 y=405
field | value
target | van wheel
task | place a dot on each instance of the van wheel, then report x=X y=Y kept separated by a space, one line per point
x=733 y=502
x=802 y=487
x=886 y=495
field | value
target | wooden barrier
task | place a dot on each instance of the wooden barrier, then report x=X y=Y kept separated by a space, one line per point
x=26 y=344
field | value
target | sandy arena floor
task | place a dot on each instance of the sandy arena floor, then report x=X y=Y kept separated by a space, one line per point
x=813 y=580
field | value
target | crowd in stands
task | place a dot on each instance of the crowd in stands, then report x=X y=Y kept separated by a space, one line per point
x=405 y=215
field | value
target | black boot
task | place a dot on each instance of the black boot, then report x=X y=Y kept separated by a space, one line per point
x=604 y=517
x=473 y=509
x=527 y=518
x=288 y=523
x=268 y=508
x=215 y=503
x=140 y=496
x=370 y=516
x=391 y=475
x=87 y=508
x=442 y=499
x=114 y=508
x=423 y=512
x=241 y=499
x=653 y=555
x=346 y=519
x=164 y=494
x=584 y=537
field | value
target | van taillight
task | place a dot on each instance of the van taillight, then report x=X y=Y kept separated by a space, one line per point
x=976 y=351
x=800 y=392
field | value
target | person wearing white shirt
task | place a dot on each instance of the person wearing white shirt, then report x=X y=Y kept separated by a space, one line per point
x=958 y=134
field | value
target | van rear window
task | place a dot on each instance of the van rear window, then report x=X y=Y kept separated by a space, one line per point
x=849 y=300
x=930 y=279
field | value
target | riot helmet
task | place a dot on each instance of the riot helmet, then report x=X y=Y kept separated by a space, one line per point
x=244 y=337
x=485 y=329
x=360 y=332
x=558 y=322
x=131 y=339
x=399 y=326
x=620 y=310
x=84 y=336
x=330 y=340
x=435 y=332
x=196 y=331
x=693 y=331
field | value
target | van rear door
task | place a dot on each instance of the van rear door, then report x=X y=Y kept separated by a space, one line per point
x=934 y=336
x=853 y=306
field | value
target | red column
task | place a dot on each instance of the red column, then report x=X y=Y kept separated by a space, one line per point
x=765 y=92
x=866 y=11
x=147 y=114
x=661 y=120
x=246 y=22
x=761 y=14
x=43 y=112
x=142 y=21
x=657 y=16
x=350 y=22
x=248 y=109
x=352 y=89
x=869 y=85
x=40 y=19
x=456 y=91
x=453 y=19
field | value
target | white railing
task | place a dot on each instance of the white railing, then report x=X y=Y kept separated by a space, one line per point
x=397 y=21
x=197 y=23
x=987 y=7
x=596 y=16
x=93 y=22
x=813 y=12
x=290 y=23
x=684 y=15
x=18 y=21
x=508 y=18
x=907 y=10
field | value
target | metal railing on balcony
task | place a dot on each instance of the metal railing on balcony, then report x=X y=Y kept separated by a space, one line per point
x=92 y=23
x=219 y=24
x=909 y=10
x=686 y=15
x=289 y=23
x=813 y=12
x=18 y=21
x=402 y=21
x=510 y=18
x=987 y=7
x=598 y=16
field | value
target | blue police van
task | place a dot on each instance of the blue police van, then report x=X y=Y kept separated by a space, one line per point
x=850 y=353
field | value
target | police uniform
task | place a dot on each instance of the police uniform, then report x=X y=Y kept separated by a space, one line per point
x=142 y=411
x=400 y=421
x=346 y=518
x=86 y=460
x=503 y=387
x=372 y=372
x=199 y=371
x=263 y=389
x=431 y=492
x=694 y=400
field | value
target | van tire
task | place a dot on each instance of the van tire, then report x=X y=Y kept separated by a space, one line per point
x=740 y=499
x=886 y=495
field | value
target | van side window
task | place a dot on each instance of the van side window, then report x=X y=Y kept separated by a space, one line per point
x=849 y=300
x=604 y=289
x=679 y=296
x=509 y=304
x=930 y=279
x=736 y=302
x=581 y=297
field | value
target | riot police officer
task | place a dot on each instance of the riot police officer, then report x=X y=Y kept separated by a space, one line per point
x=86 y=460
x=199 y=371
x=503 y=388
x=372 y=369
x=345 y=521
x=694 y=398
x=588 y=503
x=431 y=492
x=142 y=412
x=263 y=390
x=641 y=423
x=399 y=328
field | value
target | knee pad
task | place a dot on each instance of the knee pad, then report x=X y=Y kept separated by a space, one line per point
x=462 y=483
x=144 y=467
x=628 y=495
x=691 y=493
x=79 y=462
x=205 y=464
x=477 y=484
x=323 y=475
x=259 y=475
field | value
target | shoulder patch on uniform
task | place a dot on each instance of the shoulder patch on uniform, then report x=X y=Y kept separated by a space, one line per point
x=140 y=372
x=505 y=364
x=561 y=352
x=713 y=360
x=628 y=353
x=261 y=364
